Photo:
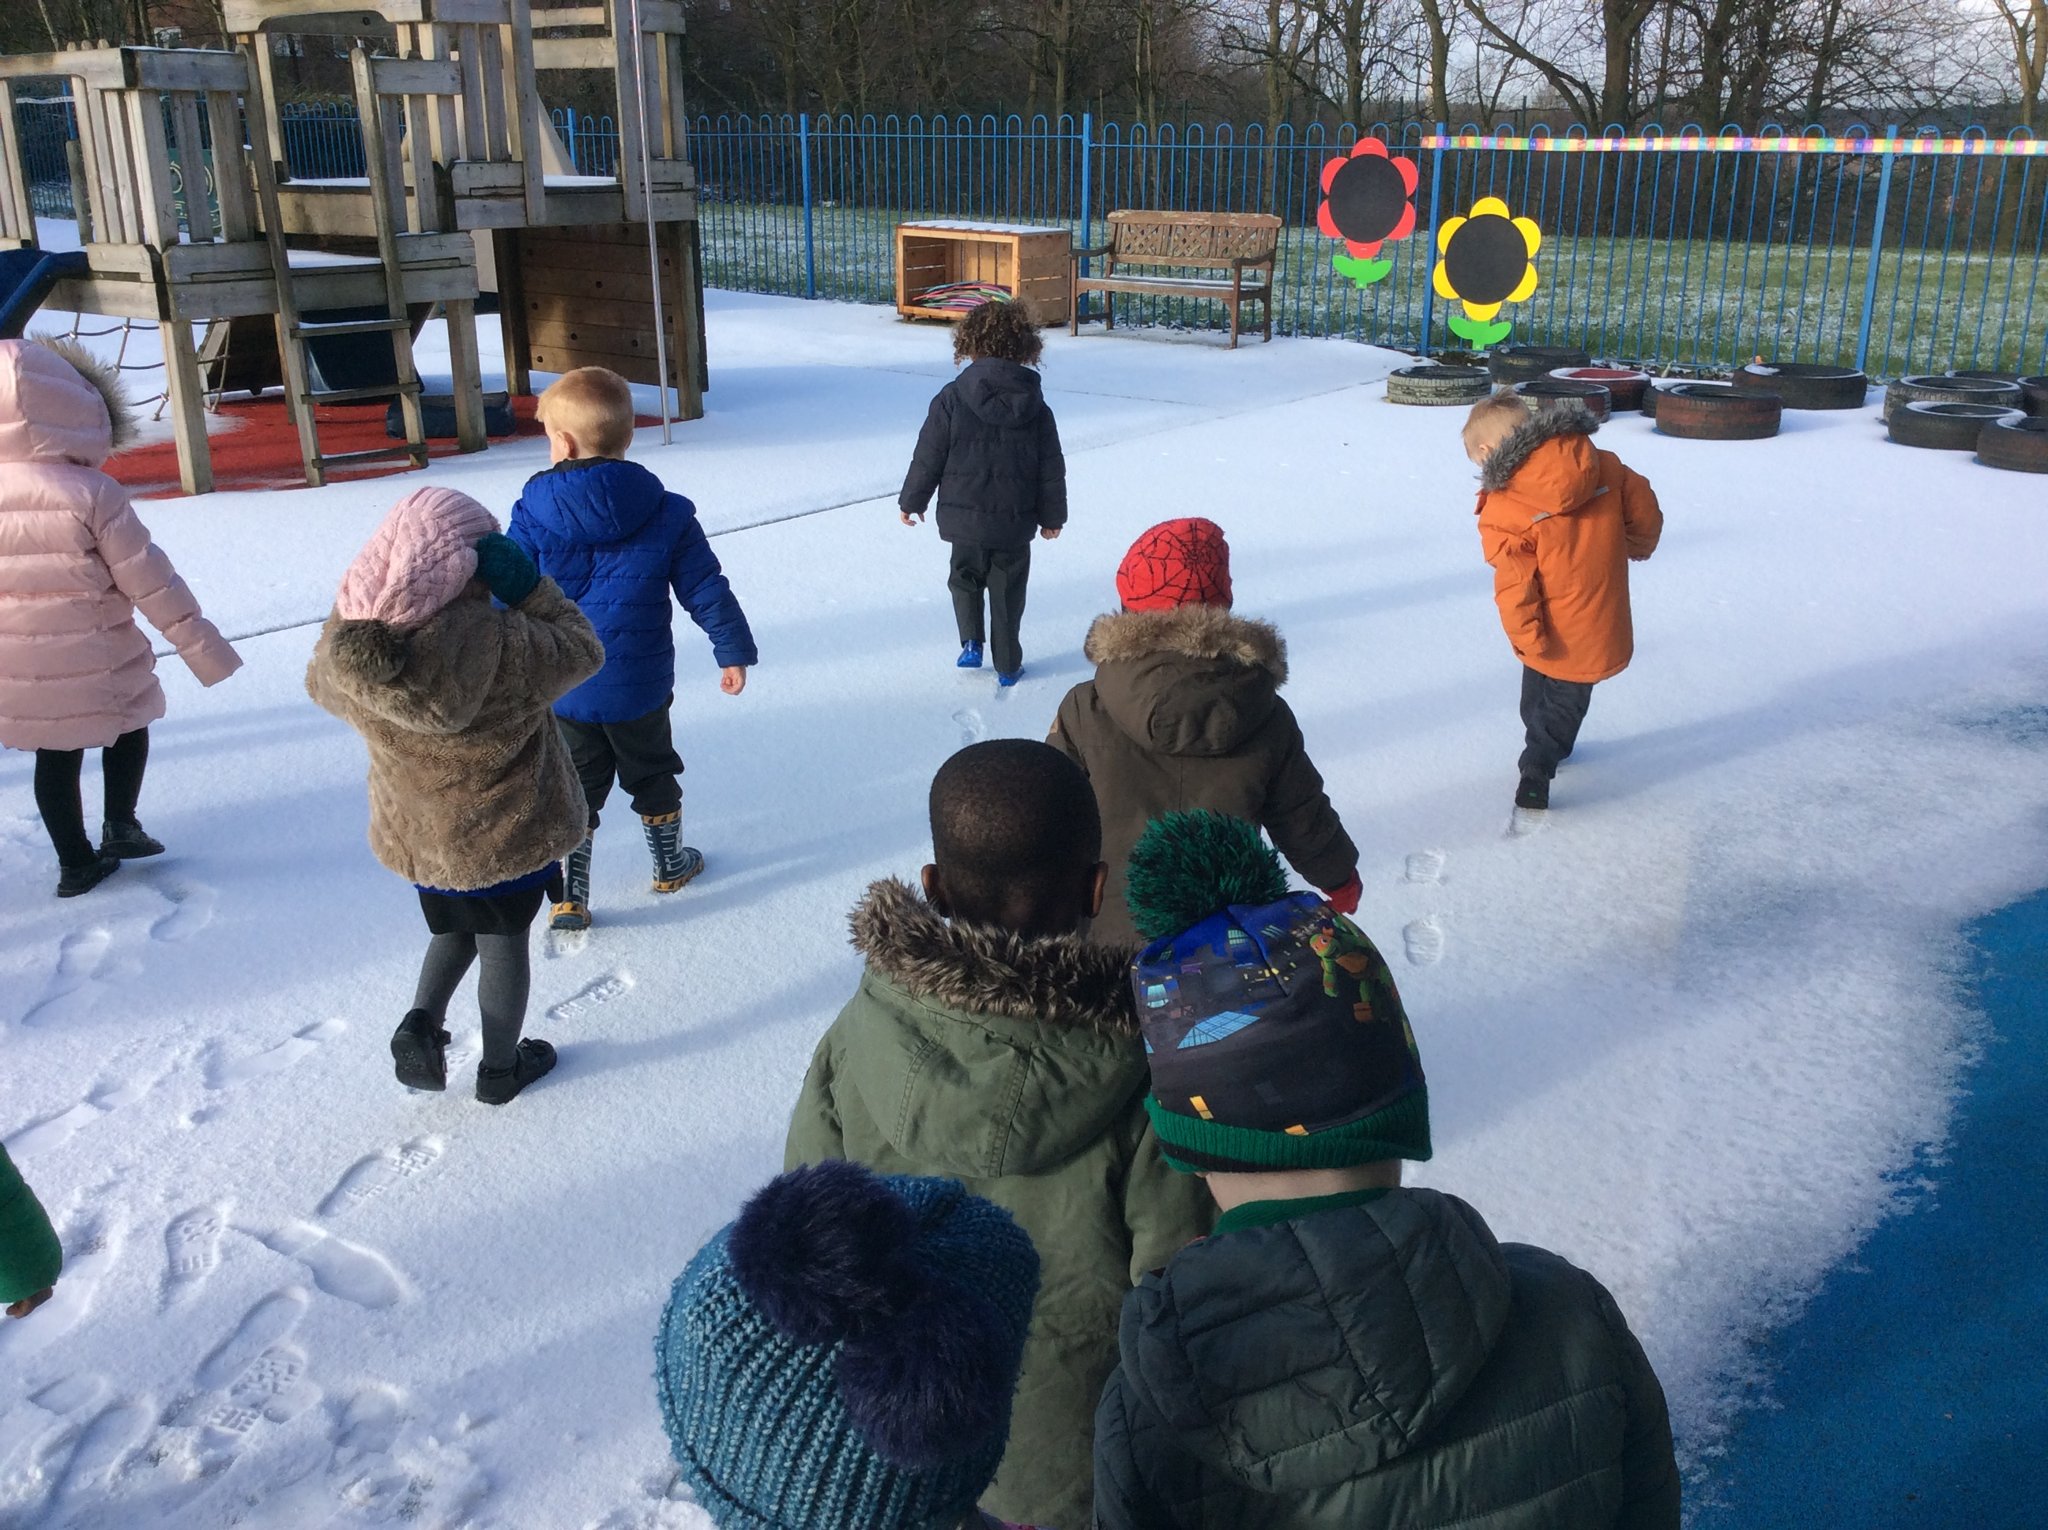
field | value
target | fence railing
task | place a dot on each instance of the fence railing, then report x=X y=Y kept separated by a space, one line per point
x=1894 y=253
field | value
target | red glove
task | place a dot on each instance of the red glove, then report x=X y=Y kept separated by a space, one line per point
x=1345 y=899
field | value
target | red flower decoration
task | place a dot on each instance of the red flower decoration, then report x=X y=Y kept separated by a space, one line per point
x=1368 y=198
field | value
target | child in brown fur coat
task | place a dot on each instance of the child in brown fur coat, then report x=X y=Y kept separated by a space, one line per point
x=472 y=796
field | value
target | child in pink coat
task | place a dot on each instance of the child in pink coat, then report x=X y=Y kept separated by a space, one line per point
x=75 y=563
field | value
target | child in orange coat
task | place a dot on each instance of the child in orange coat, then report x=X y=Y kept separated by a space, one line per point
x=1560 y=521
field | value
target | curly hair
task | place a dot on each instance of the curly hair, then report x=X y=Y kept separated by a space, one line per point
x=1005 y=331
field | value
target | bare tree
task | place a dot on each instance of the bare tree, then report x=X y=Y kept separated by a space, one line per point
x=2026 y=27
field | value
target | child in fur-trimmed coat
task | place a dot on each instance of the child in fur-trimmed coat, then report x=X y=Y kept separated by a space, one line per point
x=991 y=1043
x=472 y=796
x=1185 y=712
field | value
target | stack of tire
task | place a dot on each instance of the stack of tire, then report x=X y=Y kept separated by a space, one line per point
x=1426 y=384
x=1717 y=411
x=1981 y=412
x=1555 y=392
x=1511 y=364
x=1627 y=389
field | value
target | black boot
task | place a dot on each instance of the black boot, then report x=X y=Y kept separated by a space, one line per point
x=498 y=1086
x=573 y=912
x=84 y=877
x=419 y=1052
x=125 y=840
x=675 y=863
x=1533 y=794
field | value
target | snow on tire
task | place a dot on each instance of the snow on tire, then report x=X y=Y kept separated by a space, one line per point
x=1946 y=426
x=1519 y=363
x=1626 y=388
x=1562 y=393
x=1718 y=412
x=1805 y=387
x=2018 y=446
x=1438 y=385
x=1949 y=390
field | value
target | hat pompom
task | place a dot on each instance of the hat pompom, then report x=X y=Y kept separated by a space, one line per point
x=921 y=1389
x=1187 y=866
x=821 y=1252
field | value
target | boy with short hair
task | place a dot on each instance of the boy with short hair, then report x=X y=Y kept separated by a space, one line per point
x=990 y=1043
x=1560 y=521
x=618 y=544
x=1340 y=1352
x=1185 y=712
x=991 y=451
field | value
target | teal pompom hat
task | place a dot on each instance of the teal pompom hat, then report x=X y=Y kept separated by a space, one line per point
x=844 y=1355
x=1274 y=1032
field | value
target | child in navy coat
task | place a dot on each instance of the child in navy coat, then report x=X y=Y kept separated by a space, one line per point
x=618 y=543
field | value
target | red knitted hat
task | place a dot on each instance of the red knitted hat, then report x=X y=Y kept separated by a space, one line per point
x=1176 y=563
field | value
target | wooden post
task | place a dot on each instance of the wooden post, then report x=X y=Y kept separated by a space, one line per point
x=512 y=311
x=188 y=403
x=687 y=359
x=465 y=374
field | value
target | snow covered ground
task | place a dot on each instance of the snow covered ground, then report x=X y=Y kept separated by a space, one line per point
x=1690 y=1034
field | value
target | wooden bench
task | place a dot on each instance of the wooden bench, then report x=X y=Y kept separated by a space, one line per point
x=1240 y=243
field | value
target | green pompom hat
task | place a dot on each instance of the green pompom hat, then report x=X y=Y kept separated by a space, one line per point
x=1276 y=1037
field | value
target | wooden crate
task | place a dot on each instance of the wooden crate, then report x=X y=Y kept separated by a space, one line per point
x=1028 y=260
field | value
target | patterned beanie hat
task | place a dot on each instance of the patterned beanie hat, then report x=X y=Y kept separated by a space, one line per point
x=1272 y=1026
x=1176 y=563
x=844 y=1355
x=417 y=561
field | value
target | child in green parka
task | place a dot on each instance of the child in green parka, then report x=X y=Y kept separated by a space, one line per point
x=992 y=1043
x=30 y=1258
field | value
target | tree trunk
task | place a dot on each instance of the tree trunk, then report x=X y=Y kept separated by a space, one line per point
x=1439 y=60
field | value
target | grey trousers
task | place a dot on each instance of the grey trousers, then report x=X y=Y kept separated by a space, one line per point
x=1003 y=572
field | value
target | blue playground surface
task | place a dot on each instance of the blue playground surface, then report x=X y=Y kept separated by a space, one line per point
x=1913 y=1392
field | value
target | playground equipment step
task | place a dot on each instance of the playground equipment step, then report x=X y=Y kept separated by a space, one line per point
x=375 y=454
x=351 y=395
x=320 y=331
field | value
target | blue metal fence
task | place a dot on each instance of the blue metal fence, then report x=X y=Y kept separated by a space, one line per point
x=1679 y=250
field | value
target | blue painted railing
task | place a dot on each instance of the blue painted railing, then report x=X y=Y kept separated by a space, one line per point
x=1679 y=249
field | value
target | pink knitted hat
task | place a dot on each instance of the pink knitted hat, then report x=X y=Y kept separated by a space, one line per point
x=417 y=561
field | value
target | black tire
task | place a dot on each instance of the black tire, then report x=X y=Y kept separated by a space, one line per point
x=2018 y=446
x=1718 y=412
x=1945 y=426
x=1563 y=393
x=1805 y=387
x=1435 y=385
x=2034 y=394
x=2009 y=377
x=1626 y=389
x=1520 y=363
x=1949 y=390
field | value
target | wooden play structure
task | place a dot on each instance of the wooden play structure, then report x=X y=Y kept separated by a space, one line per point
x=188 y=215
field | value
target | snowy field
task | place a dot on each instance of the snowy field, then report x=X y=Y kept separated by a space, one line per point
x=1696 y=1034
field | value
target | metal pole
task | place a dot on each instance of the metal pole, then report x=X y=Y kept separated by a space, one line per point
x=803 y=150
x=1087 y=182
x=1884 y=195
x=1436 y=190
x=647 y=208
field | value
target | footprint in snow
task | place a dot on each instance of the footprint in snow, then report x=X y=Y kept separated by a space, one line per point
x=1424 y=940
x=340 y=1268
x=53 y=1131
x=91 y=1459
x=192 y=908
x=1524 y=822
x=370 y=1177
x=192 y=1250
x=603 y=991
x=74 y=988
x=973 y=726
x=222 y=1070
x=253 y=1375
x=1424 y=866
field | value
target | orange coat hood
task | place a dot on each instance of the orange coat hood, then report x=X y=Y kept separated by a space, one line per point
x=1560 y=520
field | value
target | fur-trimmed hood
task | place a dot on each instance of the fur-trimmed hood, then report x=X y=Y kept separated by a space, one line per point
x=1192 y=681
x=1059 y=980
x=1193 y=632
x=1569 y=424
x=980 y=1054
x=60 y=403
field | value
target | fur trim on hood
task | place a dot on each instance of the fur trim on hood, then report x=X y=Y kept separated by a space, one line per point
x=1062 y=980
x=105 y=377
x=1194 y=632
x=1549 y=424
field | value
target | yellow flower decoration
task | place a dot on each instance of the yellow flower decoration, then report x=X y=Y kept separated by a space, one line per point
x=1487 y=263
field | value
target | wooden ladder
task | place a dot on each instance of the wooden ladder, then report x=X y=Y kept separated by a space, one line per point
x=293 y=331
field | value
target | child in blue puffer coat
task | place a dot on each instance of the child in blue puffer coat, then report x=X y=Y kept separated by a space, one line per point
x=617 y=543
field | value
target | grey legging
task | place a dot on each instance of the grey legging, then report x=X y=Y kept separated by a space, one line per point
x=501 y=987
